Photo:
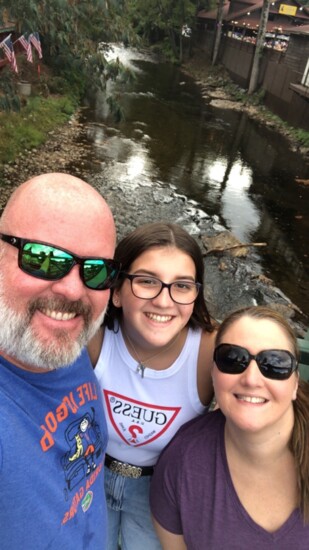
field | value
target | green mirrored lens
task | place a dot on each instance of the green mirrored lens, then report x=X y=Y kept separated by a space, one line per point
x=45 y=261
x=95 y=273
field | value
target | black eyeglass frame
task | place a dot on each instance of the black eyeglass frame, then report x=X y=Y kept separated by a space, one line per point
x=240 y=367
x=131 y=277
x=20 y=243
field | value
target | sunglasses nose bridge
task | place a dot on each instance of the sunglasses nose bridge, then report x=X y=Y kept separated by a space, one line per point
x=81 y=265
x=71 y=284
x=252 y=370
x=74 y=261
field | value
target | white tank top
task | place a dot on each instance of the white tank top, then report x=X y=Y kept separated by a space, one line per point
x=143 y=414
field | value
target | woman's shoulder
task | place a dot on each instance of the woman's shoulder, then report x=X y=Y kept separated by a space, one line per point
x=208 y=421
x=200 y=433
x=198 y=429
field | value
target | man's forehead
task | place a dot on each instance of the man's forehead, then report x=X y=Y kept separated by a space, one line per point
x=68 y=218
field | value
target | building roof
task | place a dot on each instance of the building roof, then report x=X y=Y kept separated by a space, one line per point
x=246 y=13
x=212 y=14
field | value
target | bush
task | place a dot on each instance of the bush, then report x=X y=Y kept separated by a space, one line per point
x=9 y=100
x=31 y=126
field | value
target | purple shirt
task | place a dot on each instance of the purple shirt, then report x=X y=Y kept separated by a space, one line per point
x=192 y=494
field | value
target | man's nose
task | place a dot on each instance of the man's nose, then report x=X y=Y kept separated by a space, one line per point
x=71 y=286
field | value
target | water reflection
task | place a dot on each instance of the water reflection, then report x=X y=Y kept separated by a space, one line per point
x=235 y=199
x=237 y=169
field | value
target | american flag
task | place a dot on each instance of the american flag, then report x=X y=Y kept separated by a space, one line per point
x=34 y=39
x=27 y=46
x=7 y=45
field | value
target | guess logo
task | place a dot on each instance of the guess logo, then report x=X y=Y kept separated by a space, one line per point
x=138 y=423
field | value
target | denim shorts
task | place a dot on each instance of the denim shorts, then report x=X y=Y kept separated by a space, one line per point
x=129 y=518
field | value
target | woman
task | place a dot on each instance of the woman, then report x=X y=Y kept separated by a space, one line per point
x=238 y=477
x=153 y=360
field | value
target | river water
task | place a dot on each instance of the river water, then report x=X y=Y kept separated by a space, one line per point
x=235 y=168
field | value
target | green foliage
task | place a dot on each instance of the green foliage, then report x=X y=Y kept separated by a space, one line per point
x=70 y=31
x=30 y=127
x=162 y=21
x=9 y=100
x=302 y=136
x=258 y=97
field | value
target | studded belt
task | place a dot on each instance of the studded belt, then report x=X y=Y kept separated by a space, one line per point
x=127 y=470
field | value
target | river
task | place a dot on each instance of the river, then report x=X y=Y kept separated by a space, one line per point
x=235 y=168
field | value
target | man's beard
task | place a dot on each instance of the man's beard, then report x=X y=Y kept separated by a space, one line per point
x=19 y=340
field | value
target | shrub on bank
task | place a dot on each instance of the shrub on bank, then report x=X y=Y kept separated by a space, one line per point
x=30 y=126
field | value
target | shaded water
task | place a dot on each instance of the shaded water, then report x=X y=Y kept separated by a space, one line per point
x=235 y=168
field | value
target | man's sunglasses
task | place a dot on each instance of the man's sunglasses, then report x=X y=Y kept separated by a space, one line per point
x=277 y=364
x=45 y=261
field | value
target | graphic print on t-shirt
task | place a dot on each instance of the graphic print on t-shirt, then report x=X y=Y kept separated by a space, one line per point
x=84 y=440
x=136 y=422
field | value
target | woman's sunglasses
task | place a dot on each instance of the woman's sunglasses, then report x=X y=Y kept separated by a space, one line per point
x=277 y=364
x=45 y=261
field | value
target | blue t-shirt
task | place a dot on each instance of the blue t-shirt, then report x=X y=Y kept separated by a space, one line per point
x=52 y=443
x=192 y=493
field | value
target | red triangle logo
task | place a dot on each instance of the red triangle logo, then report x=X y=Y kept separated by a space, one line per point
x=138 y=423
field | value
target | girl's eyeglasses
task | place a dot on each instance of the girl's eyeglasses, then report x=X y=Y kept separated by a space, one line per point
x=147 y=288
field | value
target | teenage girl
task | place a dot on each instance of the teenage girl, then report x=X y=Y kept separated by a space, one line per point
x=153 y=359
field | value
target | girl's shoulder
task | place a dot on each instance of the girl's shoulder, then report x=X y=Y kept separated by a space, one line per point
x=207 y=345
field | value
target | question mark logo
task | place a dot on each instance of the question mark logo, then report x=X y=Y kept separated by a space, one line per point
x=134 y=431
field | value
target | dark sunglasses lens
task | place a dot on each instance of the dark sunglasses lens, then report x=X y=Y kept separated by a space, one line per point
x=276 y=364
x=99 y=274
x=45 y=262
x=231 y=359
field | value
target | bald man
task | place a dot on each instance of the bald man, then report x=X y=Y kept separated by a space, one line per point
x=57 y=239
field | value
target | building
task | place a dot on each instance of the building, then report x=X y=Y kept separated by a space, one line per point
x=284 y=70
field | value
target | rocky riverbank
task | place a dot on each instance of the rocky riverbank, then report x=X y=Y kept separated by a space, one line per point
x=233 y=272
x=219 y=90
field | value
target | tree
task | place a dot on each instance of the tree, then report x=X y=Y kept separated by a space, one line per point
x=218 y=32
x=70 y=31
x=258 y=52
x=163 y=20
